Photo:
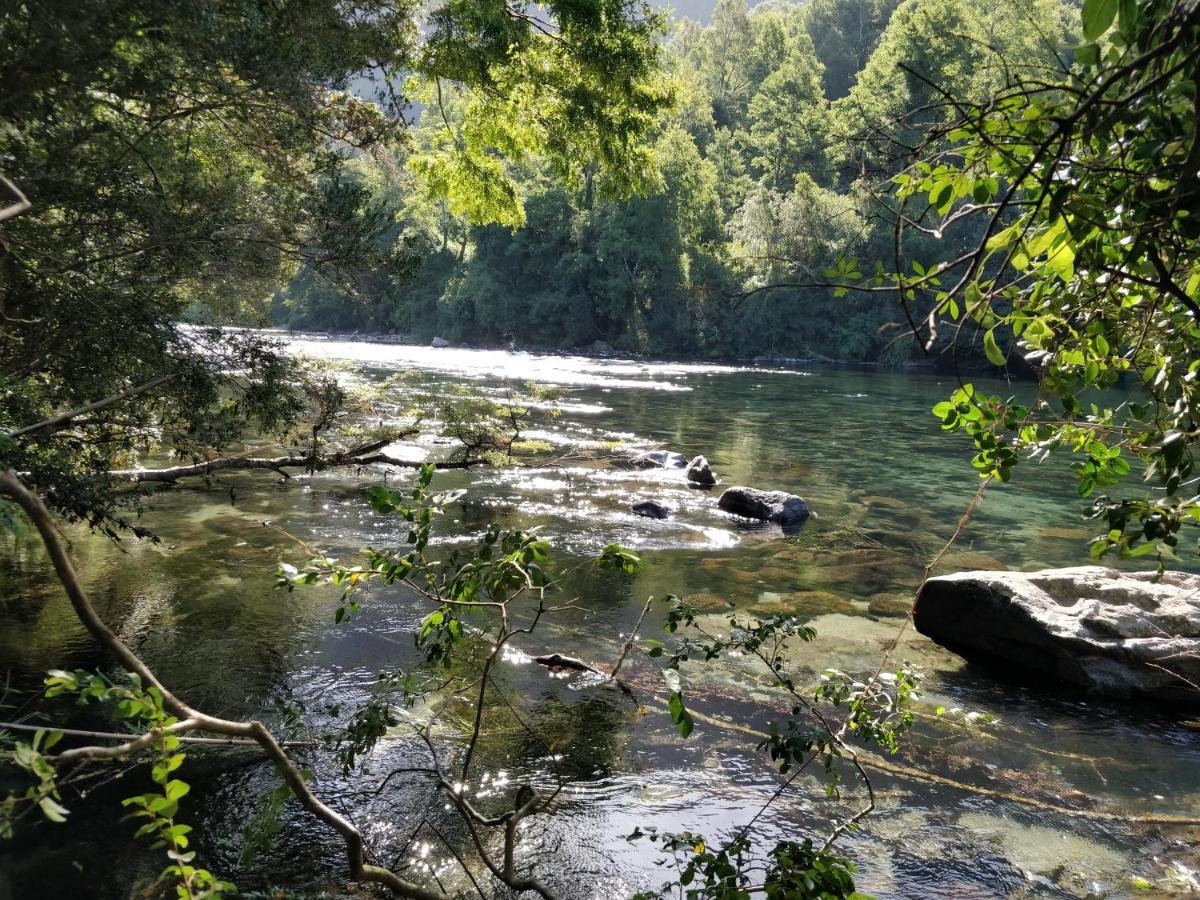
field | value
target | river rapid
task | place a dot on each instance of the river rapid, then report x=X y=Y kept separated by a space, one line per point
x=886 y=486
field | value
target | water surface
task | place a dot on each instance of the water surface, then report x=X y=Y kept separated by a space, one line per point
x=886 y=486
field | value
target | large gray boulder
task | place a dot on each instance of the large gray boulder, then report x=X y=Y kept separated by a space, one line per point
x=788 y=510
x=439 y=343
x=700 y=473
x=1115 y=633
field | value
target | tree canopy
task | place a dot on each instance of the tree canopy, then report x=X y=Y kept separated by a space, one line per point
x=1080 y=198
x=184 y=160
x=781 y=110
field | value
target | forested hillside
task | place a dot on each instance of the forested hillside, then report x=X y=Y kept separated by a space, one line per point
x=787 y=122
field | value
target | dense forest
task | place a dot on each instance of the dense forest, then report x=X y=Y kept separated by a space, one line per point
x=766 y=169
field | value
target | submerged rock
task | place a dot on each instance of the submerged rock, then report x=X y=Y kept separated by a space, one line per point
x=868 y=570
x=700 y=473
x=1115 y=633
x=650 y=510
x=439 y=342
x=889 y=605
x=788 y=510
x=659 y=459
x=962 y=560
x=805 y=604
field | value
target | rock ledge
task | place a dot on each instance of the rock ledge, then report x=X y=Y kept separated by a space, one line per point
x=1114 y=633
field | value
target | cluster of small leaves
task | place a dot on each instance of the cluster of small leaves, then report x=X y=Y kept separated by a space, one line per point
x=793 y=871
x=367 y=725
x=418 y=508
x=143 y=707
x=880 y=710
x=490 y=429
x=986 y=419
x=764 y=637
x=43 y=794
x=265 y=825
x=791 y=744
x=500 y=566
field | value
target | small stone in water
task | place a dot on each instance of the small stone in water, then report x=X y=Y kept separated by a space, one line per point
x=650 y=510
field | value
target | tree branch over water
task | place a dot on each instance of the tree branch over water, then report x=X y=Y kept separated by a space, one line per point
x=192 y=719
x=278 y=464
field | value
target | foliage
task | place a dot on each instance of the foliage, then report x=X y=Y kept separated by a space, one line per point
x=507 y=566
x=186 y=159
x=142 y=708
x=1080 y=199
x=758 y=190
x=794 y=871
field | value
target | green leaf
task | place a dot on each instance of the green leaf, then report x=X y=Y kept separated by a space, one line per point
x=943 y=198
x=1130 y=16
x=1098 y=16
x=1088 y=54
x=680 y=716
x=53 y=811
x=992 y=350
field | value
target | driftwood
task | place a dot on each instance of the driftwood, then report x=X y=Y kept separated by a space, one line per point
x=278 y=464
x=557 y=662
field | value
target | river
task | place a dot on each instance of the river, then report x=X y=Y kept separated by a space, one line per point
x=886 y=486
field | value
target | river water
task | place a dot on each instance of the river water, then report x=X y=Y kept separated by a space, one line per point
x=886 y=486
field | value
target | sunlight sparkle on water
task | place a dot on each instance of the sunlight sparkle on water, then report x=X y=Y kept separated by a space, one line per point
x=512 y=365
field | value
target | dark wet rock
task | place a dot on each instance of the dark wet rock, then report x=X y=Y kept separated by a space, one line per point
x=700 y=473
x=788 y=510
x=601 y=348
x=439 y=342
x=650 y=510
x=1116 y=633
x=558 y=661
x=659 y=459
x=889 y=605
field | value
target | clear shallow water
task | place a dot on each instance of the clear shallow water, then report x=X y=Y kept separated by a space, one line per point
x=887 y=487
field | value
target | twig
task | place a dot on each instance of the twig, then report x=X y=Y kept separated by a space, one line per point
x=65 y=417
x=14 y=209
x=117 y=736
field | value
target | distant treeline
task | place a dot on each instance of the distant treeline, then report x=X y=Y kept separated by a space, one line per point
x=788 y=119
